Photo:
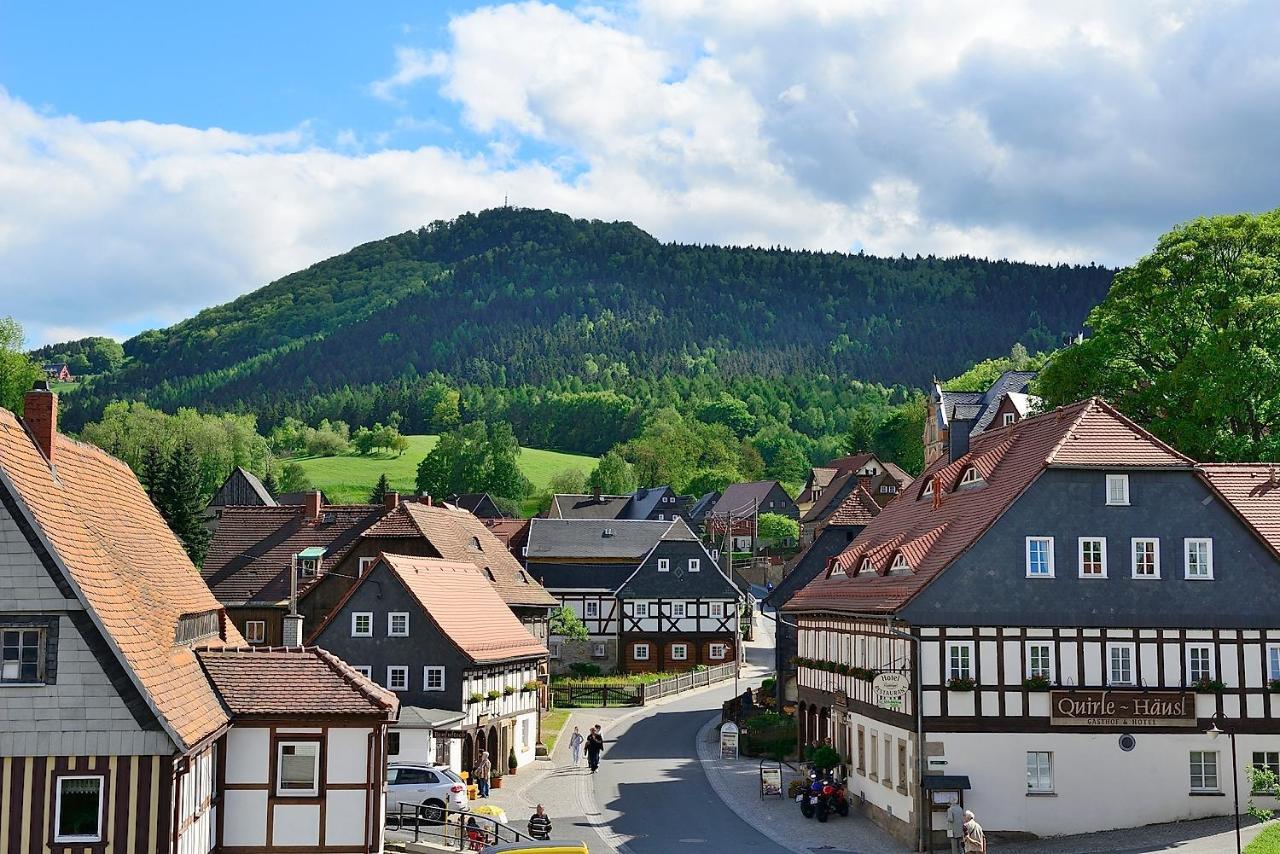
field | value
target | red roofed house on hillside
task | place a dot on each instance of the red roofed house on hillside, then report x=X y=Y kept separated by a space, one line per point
x=1061 y=606
x=438 y=635
x=116 y=695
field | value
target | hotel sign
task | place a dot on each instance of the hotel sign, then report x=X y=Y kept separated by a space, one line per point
x=1128 y=709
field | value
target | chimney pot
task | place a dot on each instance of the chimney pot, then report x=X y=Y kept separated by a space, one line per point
x=292 y=630
x=595 y=493
x=390 y=501
x=312 y=505
x=40 y=413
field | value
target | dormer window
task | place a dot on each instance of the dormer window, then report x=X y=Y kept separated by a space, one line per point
x=307 y=567
x=928 y=489
x=900 y=565
x=1009 y=418
x=866 y=567
x=474 y=545
x=970 y=477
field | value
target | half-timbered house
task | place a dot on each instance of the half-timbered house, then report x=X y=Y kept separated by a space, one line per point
x=677 y=610
x=120 y=730
x=437 y=634
x=1064 y=608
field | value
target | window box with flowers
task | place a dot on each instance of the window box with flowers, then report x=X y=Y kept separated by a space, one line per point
x=530 y=686
x=1209 y=686
x=508 y=690
x=961 y=683
x=1274 y=686
x=1037 y=683
x=494 y=694
x=866 y=674
x=475 y=698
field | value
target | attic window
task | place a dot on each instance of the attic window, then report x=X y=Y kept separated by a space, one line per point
x=900 y=565
x=474 y=545
x=194 y=627
x=329 y=518
x=524 y=578
x=970 y=477
x=866 y=567
x=928 y=489
x=489 y=572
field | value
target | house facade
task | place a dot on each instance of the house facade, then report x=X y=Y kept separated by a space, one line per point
x=1066 y=608
x=677 y=610
x=739 y=505
x=437 y=635
x=954 y=416
x=113 y=734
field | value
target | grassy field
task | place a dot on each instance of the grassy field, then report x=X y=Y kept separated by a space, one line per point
x=349 y=478
x=1266 y=842
x=552 y=725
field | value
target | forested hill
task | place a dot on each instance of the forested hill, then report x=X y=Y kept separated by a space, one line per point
x=525 y=298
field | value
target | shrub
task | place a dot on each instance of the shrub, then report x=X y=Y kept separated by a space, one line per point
x=530 y=686
x=960 y=683
x=795 y=787
x=584 y=669
x=1037 y=683
x=826 y=758
x=768 y=686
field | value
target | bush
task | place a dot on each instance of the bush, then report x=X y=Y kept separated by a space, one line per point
x=530 y=686
x=770 y=734
x=826 y=758
x=584 y=669
x=769 y=686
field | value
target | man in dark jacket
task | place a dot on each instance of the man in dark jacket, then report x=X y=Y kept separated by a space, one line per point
x=540 y=824
x=595 y=744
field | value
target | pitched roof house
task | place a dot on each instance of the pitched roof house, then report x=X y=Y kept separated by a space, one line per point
x=241 y=488
x=105 y=623
x=478 y=504
x=659 y=503
x=954 y=416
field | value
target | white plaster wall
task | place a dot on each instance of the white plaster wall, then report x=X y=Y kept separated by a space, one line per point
x=246 y=817
x=416 y=745
x=344 y=818
x=348 y=755
x=888 y=799
x=298 y=824
x=1097 y=786
x=248 y=755
x=525 y=746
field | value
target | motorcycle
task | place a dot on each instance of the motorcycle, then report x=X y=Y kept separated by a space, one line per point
x=823 y=797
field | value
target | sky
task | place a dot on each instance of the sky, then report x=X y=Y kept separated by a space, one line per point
x=159 y=158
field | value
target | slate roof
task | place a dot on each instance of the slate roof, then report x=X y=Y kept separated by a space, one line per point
x=1089 y=433
x=465 y=607
x=253 y=548
x=588 y=506
x=981 y=406
x=646 y=501
x=581 y=540
x=297 y=681
x=739 y=497
x=458 y=536
x=473 y=501
x=583 y=576
x=418 y=717
x=678 y=544
x=131 y=573
x=703 y=505
x=1253 y=491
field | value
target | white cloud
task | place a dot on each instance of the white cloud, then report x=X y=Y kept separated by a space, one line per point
x=1056 y=133
x=412 y=65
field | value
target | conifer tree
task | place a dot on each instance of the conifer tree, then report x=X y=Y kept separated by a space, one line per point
x=269 y=482
x=181 y=503
x=380 y=489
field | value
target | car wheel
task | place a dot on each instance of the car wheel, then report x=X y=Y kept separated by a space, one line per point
x=433 y=812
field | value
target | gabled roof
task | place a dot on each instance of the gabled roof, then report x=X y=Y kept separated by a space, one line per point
x=1089 y=433
x=680 y=543
x=569 y=506
x=644 y=501
x=253 y=547
x=980 y=406
x=807 y=565
x=582 y=540
x=463 y=605
x=476 y=503
x=124 y=564
x=1253 y=490
x=242 y=484
x=703 y=505
x=859 y=507
x=297 y=681
x=458 y=536
x=739 y=498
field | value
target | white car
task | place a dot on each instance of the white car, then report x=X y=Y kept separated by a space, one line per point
x=433 y=786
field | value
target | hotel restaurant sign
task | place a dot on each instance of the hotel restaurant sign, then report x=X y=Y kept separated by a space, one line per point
x=1122 y=708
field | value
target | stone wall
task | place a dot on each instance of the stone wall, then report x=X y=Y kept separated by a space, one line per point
x=580 y=651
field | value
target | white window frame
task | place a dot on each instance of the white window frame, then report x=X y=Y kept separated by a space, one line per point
x=364 y=670
x=1272 y=663
x=900 y=563
x=57 y=809
x=260 y=636
x=662 y=517
x=355 y=620
x=1133 y=664
x=366 y=563
x=1186 y=558
x=1009 y=418
x=1213 y=665
x=1049 y=542
x=1217 y=778
x=1102 y=541
x=640 y=610
x=314 y=790
x=398 y=669
x=679 y=652
x=677 y=610
x=970 y=476
x=591 y=609
x=598 y=649
x=1042 y=769
x=970 y=664
x=928 y=489
x=1133 y=556
x=1038 y=644
x=427 y=672
x=391 y=622
x=664 y=564
x=695 y=564
x=1123 y=481
x=640 y=651
x=553 y=649
x=718 y=651
x=717 y=609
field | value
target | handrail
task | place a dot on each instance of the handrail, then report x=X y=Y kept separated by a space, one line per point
x=450 y=827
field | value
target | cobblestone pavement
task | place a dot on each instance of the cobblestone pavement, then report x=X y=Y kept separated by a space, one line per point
x=1205 y=836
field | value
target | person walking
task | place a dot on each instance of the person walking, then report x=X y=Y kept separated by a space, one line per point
x=955 y=827
x=540 y=824
x=595 y=744
x=483 y=769
x=974 y=840
x=575 y=747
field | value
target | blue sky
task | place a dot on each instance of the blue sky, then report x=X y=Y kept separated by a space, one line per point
x=156 y=158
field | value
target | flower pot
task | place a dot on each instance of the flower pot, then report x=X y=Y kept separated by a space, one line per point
x=495 y=782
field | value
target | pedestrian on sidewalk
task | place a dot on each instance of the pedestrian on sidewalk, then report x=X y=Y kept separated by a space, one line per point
x=483 y=769
x=540 y=824
x=955 y=827
x=575 y=747
x=974 y=840
x=595 y=744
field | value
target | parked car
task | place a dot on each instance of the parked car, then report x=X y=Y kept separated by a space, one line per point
x=432 y=786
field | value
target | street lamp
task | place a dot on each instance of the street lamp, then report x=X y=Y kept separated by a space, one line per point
x=1215 y=731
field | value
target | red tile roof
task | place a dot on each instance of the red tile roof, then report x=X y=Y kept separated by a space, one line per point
x=299 y=681
x=1253 y=490
x=1090 y=433
x=253 y=547
x=857 y=508
x=131 y=573
x=459 y=536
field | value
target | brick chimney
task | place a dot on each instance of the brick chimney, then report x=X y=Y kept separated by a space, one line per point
x=390 y=501
x=595 y=494
x=40 y=413
x=311 y=506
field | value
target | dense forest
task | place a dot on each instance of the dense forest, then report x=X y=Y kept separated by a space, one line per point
x=572 y=330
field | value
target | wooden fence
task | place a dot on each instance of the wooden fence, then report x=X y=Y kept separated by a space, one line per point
x=633 y=694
